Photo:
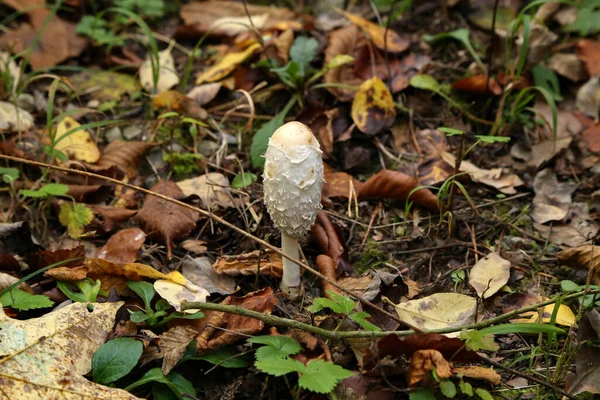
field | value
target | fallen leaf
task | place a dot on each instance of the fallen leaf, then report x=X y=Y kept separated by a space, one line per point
x=384 y=39
x=235 y=327
x=577 y=232
x=173 y=344
x=167 y=75
x=588 y=98
x=212 y=188
x=591 y=136
x=552 y=199
x=205 y=93
x=495 y=177
x=343 y=41
x=111 y=216
x=587 y=358
x=7 y=280
x=226 y=65
x=362 y=387
x=121 y=159
x=589 y=52
x=387 y=184
x=77 y=145
x=489 y=275
x=337 y=184
x=478 y=84
x=434 y=171
x=14 y=119
x=358 y=285
x=216 y=17
x=278 y=48
x=200 y=272
x=423 y=362
x=587 y=256
x=175 y=293
x=194 y=246
x=326 y=267
x=440 y=310
x=478 y=372
x=568 y=65
x=270 y=264
x=58 y=42
x=330 y=239
x=123 y=246
x=47 y=357
x=180 y=103
x=564 y=316
x=373 y=108
x=105 y=85
x=165 y=220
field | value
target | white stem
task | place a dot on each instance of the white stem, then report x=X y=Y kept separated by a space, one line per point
x=290 y=282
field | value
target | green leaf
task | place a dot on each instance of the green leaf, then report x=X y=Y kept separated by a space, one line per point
x=243 y=180
x=425 y=82
x=546 y=78
x=360 y=318
x=322 y=376
x=462 y=35
x=421 y=394
x=115 y=359
x=289 y=74
x=279 y=367
x=88 y=290
x=569 y=286
x=338 y=303
x=477 y=340
x=139 y=316
x=302 y=52
x=448 y=388
x=275 y=347
x=484 y=394
x=465 y=388
x=260 y=141
x=155 y=375
x=21 y=300
x=522 y=328
x=493 y=139
x=74 y=218
x=168 y=114
x=225 y=357
x=145 y=290
x=9 y=174
x=451 y=131
x=184 y=386
x=50 y=189
x=586 y=23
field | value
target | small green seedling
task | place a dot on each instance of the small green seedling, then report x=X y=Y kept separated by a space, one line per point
x=9 y=175
x=343 y=305
x=83 y=291
x=274 y=359
x=587 y=301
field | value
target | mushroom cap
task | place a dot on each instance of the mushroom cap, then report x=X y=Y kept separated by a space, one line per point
x=293 y=178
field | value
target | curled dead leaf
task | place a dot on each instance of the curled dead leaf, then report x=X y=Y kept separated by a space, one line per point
x=478 y=84
x=373 y=108
x=327 y=267
x=269 y=264
x=479 y=372
x=330 y=239
x=587 y=256
x=423 y=362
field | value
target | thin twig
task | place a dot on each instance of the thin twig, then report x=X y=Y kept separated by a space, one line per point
x=220 y=220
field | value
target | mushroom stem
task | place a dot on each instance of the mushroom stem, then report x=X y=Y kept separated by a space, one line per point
x=290 y=282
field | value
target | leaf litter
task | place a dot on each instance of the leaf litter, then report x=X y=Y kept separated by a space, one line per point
x=398 y=98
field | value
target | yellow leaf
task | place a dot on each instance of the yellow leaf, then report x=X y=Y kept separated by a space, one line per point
x=46 y=357
x=440 y=310
x=78 y=144
x=175 y=294
x=227 y=64
x=564 y=316
x=373 y=107
x=393 y=44
x=167 y=75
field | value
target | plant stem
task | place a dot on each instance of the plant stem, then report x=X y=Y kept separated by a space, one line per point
x=290 y=281
x=291 y=323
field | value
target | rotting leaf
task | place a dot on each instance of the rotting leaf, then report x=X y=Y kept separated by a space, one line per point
x=423 y=362
x=383 y=38
x=587 y=358
x=180 y=103
x=111 y=216
x=373 y=108
x=337 y=184
x=226 y=65
x=440 y=310
x=165 y=220
x=123 y=246
x=489 y=275
x=47 y=357
x=205 y=93
x=552 y=199
x=75 y=217
x=587 y=256
x=270 y=264
x=106 y=85
x=173 y=344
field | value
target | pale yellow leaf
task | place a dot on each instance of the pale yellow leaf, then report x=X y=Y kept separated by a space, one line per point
x=167 y=75
x=489 y=275
x=46 y=357
x=14 y=118
x=175 y=294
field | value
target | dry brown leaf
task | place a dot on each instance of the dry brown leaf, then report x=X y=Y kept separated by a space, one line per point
x=589 y=52
x=46 y=357
x=383 y=38
x=215 y=16
x=165 y=220
x=423 y=362
x=568 y=65
x=180 y=103
x=478 y=84
x=552 y=199
x=211 y=338
x=204 y=94
x=7 y=280
x=173 y=343
x=337 y=184
x=373 y=108
x=580 y=229
x=212 y=188
x=387 y=184
x=489 y=275
x=270 y=264
x=587 y=256
x=478 y=372
x=343 y=41
x=123 y=246
x=279 y=48
x=194 y=246
x=58 y=42
x=200 y=272
x=111 y=216
x=357 y=285
x=330 y=239
x=327 y=268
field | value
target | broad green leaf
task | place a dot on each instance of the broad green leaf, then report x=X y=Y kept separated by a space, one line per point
x=225 y=357
x=448 y=388
x=115 y=359
x=422 y=394
x=484 y=394
x=156 y=375
x=139 y=316
x=74 y=218
x=143 y=289
x=275 y=347
x=260 y=141
x=9 y=174
x=477 y=340
x=466 y=388
x=569 y=286
x=279 y=367
x=243 y=180
x=322 y=376
x=184 y=386
x=20 y=300
x=462 y=35
x=425 y=82
x=303 y=50
x=451 y=131
x=360 y=318
x=338 y=303
x=88 y=290
x=50 y=189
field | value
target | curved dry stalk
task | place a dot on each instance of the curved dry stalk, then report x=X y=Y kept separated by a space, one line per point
x=220 y=220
